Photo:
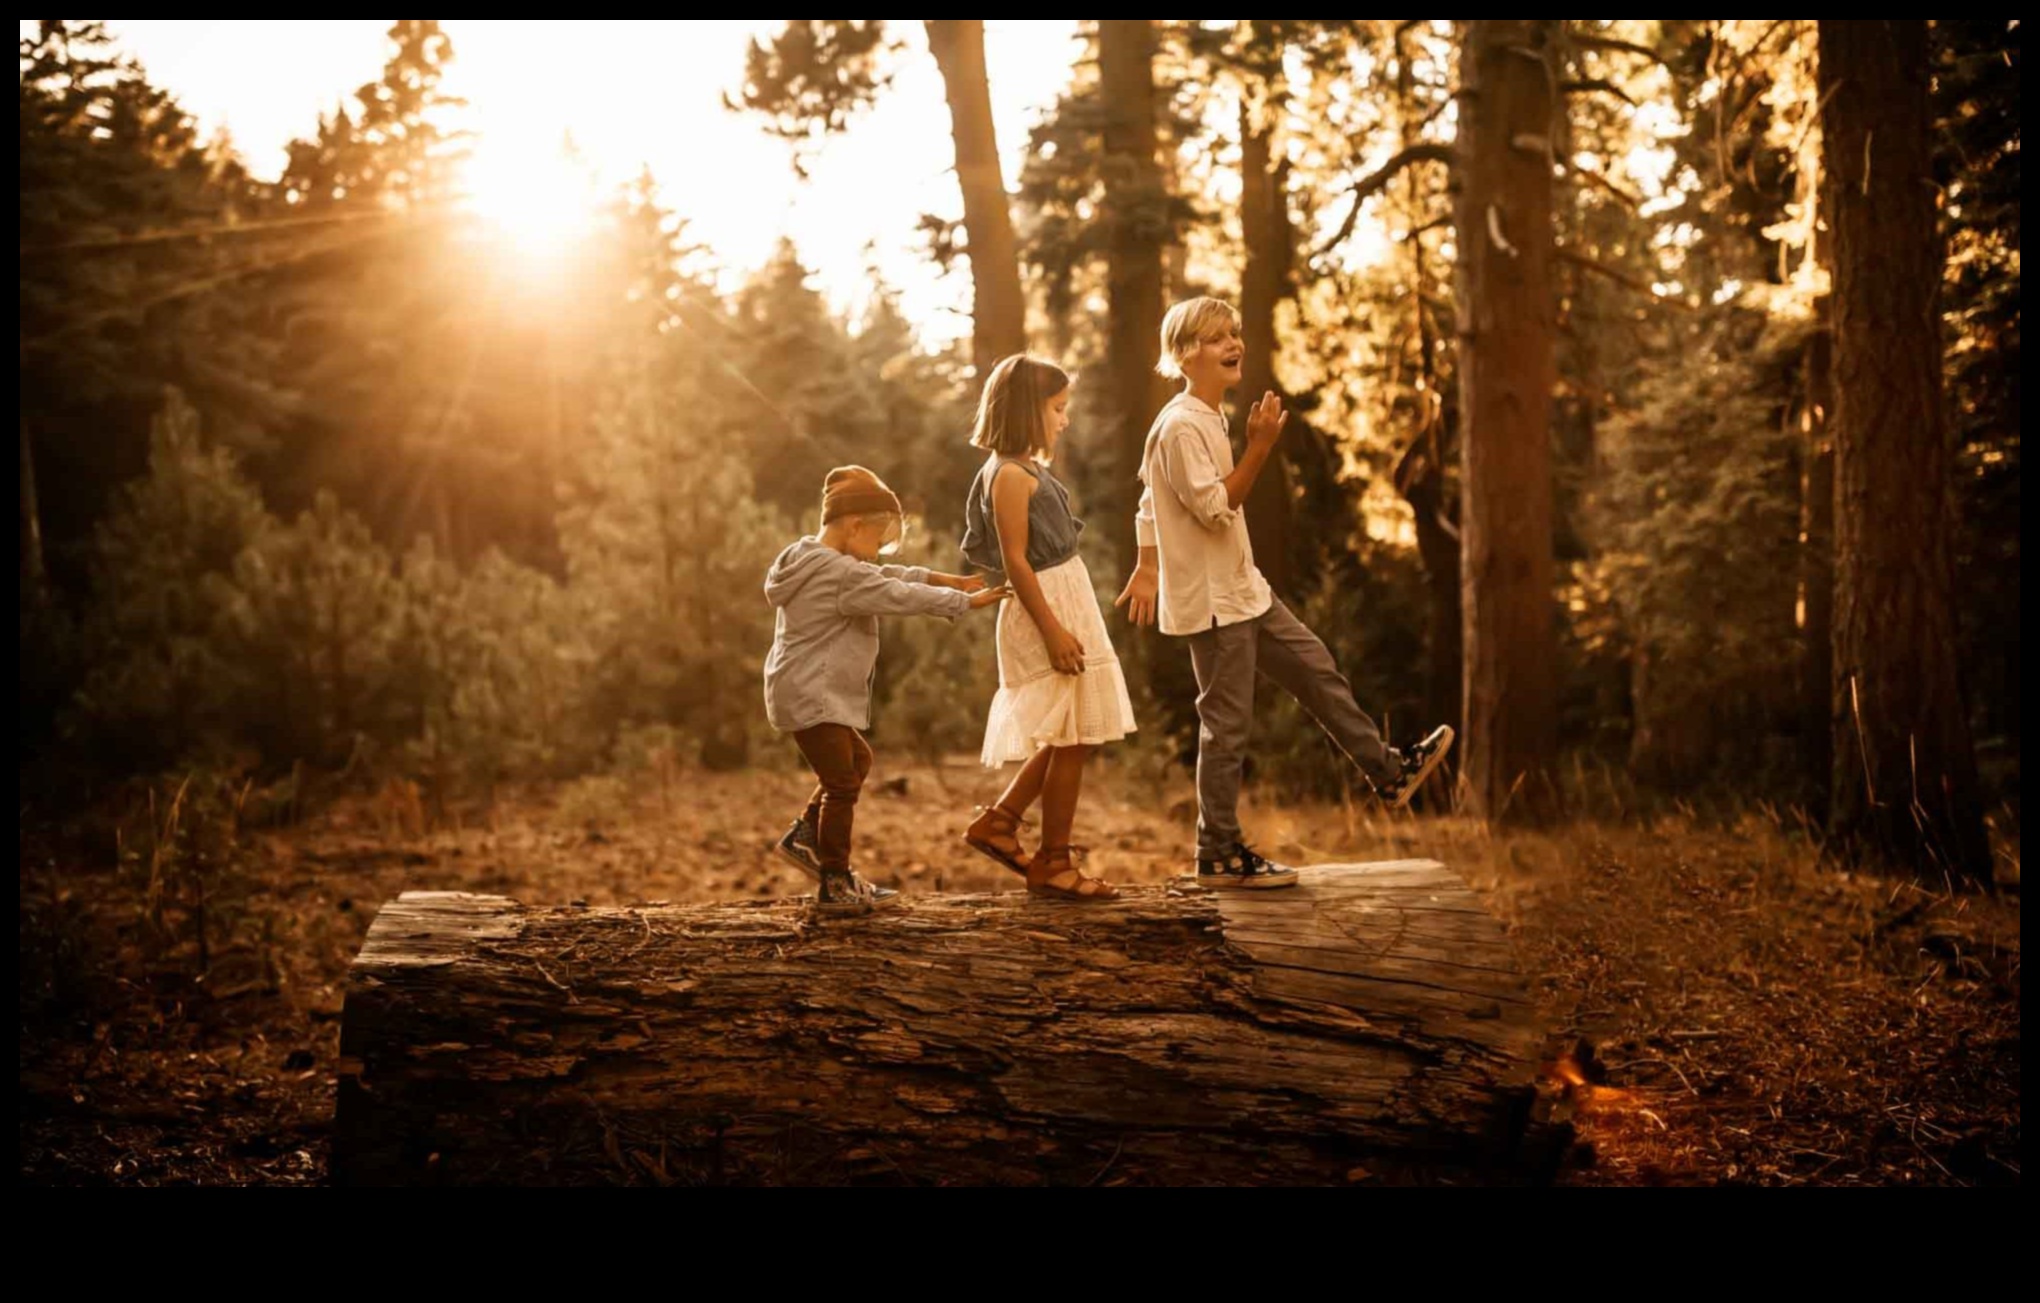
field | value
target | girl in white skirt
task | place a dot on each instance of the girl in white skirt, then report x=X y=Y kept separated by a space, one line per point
x=1061 y=692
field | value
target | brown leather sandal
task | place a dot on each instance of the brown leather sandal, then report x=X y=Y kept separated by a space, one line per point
x=1004 y=823
x=1068 y=882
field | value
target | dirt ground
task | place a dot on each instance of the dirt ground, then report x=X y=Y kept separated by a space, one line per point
x=1746 y=1013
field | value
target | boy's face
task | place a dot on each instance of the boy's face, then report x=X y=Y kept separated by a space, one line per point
x=874 y=536
x=1217 y=358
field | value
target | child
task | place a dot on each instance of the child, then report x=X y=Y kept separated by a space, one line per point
x=824 y=649
x=1061 y=692
x=1194 y=549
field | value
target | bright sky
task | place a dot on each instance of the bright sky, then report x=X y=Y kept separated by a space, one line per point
x=650 y=93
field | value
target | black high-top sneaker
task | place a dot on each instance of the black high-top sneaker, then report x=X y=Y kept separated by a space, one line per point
x=1242 y=869
x=843 y=892
x=797 y=847
x=1418 y=763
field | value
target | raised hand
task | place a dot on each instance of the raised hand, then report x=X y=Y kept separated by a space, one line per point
x=1266 y=419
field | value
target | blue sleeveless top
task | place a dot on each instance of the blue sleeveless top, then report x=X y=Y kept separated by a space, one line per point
x=1051 y=529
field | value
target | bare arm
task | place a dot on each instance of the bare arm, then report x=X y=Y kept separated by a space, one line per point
x=1011 y=490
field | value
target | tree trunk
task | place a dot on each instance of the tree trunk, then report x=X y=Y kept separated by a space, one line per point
x=1506 y=374
x=1905 y=784
x=1138 y=228
x=1817 y=568
x=999 y=313
x=1368 y=1020
x=1175 y=246
x=1264 y=283
x=33 y=577
x=1420 y=478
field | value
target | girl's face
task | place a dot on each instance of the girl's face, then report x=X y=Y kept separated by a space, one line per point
x=1055 y=418
x=1217 y=358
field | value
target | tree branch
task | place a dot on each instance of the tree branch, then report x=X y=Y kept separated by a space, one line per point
x=1592 y=84
x=1626 y=47
x=1602 y=180
x=1622 y=278
x=1366 y=186
x=1596 y=265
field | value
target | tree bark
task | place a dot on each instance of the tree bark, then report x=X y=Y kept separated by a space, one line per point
x=1264 y=283
x=33 y=576
x=1370 y=1019
x=1817 y=568
x=1421 y=476
x=1506 y=374
x=1139 y=227
x=1905 y=783
x=999 y=313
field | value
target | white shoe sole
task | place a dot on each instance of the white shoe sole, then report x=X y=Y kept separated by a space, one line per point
x=1417 y=779
x=1247 y=881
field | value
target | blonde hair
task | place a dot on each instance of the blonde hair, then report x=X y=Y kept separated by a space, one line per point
x=1187 y=325
x=1009 y=410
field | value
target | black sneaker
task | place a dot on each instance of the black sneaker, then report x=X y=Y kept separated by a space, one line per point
x=1418 y=763
x=798 y=848
x=1244 y=870
x=843 y=892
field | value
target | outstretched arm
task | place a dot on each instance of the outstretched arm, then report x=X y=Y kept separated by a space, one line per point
x=873 y=592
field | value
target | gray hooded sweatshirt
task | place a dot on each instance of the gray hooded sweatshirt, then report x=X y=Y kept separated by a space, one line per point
x=825 y=642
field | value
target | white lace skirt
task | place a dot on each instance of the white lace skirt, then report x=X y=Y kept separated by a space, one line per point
x=1037 y=707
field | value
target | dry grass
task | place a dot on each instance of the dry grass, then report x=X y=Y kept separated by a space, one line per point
x=1752 y=1014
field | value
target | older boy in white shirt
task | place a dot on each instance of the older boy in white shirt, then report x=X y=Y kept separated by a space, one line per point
x=1197 y=572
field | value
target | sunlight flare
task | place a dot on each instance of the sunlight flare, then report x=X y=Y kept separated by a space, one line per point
x=539 y=199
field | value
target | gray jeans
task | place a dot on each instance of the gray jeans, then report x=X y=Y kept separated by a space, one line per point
x=1278 y=645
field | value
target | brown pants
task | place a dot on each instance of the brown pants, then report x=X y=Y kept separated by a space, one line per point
x=841 y=759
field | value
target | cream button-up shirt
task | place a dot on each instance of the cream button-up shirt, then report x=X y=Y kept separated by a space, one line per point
x=1208 y=576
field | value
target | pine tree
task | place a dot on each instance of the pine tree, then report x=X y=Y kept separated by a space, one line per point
x=1506 y=374
x=1905 y=782
x=159 y=681
x=816 y=75
x=1976 y=140
x=127 y=223
x=667 y=546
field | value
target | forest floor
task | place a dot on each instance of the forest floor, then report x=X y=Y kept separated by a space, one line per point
x=1747 y=1013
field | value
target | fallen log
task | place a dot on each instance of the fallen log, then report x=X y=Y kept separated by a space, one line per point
x=1367 y=1024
